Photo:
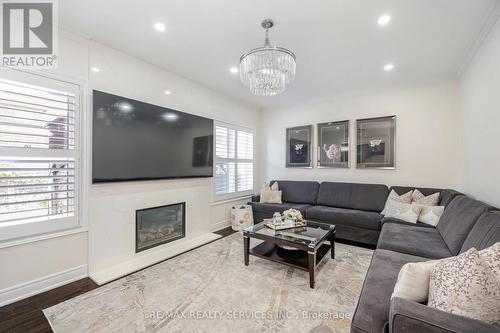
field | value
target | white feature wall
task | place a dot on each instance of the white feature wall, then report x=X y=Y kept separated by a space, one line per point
x=480 y=88
x=428 y=136
x=112 y=206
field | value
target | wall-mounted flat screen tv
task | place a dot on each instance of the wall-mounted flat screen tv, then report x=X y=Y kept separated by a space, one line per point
x=134 y=140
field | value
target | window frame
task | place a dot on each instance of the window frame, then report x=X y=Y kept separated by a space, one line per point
x=237 y=194
x=34 y=231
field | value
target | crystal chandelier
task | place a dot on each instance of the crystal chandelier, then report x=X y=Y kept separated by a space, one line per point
x=267 y=70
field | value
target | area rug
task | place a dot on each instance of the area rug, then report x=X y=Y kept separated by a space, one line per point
x=210 y=290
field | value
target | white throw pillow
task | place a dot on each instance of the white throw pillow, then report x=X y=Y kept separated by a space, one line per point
x=466 y=286
x=405 y=198
x=413 y=281
x=403 y=211
x=430 y=200
x=431 y=214
x=273 y=197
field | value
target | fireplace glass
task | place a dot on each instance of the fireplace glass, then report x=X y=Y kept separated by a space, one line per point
x=159 y=225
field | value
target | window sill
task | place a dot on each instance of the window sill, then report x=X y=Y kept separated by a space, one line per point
x=37 y=238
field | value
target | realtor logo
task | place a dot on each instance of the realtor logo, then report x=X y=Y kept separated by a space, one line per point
x=29 y=33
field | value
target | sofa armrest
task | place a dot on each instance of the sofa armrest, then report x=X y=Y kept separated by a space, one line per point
x=255 y=198
x=408 y=316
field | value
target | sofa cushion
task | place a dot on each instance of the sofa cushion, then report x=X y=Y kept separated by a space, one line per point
x=414 y=240
x=302 y=192
x=372 y=312
x=368 y=197
x=445 y=196
x=458 y=219
x=485 y=232
x=342 y=216
x=272 y=208
x=398 y=221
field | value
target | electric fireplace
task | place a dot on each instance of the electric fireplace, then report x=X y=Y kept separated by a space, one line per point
x=159 y=225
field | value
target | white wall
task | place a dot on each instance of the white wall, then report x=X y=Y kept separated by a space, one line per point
x=428 y=136
x=32 y=267
x=480 y=88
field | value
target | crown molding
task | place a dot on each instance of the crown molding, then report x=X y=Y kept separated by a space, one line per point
x=490 y=21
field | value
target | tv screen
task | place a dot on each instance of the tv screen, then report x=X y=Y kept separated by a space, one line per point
x=133 y=140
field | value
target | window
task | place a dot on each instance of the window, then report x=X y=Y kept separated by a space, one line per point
x=234 y=163
x=38 y=155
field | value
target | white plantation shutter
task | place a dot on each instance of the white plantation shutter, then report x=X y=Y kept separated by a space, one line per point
x=233 y=161
x=37 y=154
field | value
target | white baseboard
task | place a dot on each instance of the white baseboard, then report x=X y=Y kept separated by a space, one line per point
x=220 y=225
x=149 y=258
x=37 y=286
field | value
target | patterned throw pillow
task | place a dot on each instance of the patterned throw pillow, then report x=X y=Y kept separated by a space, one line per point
x=465 y=285
x=430 y=200
x=431 y=214
x=405 y=198
x=403 y=211
x=491 y=256
x=273 y=197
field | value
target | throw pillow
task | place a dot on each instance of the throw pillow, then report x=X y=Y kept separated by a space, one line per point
x=405 y=198
x=431 y=214
x=413 y=281
x=491 y=256
x=273 y=187
x=403 y=211
x=466 y=286
x=430 y=200
x=273 y=197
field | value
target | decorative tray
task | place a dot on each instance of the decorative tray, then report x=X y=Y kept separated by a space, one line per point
x=284 y=225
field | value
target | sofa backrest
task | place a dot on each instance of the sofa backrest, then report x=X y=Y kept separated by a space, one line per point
x=484 y=233
x=298 y=191
x=370 y=197
x=458 y=219
x=445 y=195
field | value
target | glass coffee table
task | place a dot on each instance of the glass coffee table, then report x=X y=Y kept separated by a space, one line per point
x=303 y=248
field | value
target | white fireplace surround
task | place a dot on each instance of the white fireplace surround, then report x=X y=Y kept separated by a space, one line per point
x=112 y=224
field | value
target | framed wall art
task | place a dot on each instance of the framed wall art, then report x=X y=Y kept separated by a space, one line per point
x=298 y=147
x=333 y=144
x=376 y=143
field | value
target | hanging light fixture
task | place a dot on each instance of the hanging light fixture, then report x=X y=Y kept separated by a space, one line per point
x=267 y=70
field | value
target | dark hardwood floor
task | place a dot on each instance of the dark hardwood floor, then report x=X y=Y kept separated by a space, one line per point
x=26 y=316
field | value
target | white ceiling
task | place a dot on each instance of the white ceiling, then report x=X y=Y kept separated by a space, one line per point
x=338 y=44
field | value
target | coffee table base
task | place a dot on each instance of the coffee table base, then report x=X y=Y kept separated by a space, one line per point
x=306 y=261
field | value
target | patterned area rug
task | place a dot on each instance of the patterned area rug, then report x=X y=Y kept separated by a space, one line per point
x=210 y=290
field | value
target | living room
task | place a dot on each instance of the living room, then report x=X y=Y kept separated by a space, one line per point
x=285 y=166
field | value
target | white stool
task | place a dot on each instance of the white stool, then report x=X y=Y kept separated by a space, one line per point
x=241 y=217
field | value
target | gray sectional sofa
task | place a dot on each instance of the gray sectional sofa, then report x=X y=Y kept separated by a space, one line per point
x=355 y=210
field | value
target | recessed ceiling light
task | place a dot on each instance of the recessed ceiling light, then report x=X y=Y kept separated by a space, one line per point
x=233 y=70
x=95 y=69
x=384 y=20
x=160 y=26
x=388 y=67
x=167 y=92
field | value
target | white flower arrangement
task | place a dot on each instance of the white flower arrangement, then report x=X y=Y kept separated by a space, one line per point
x=292 y=214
